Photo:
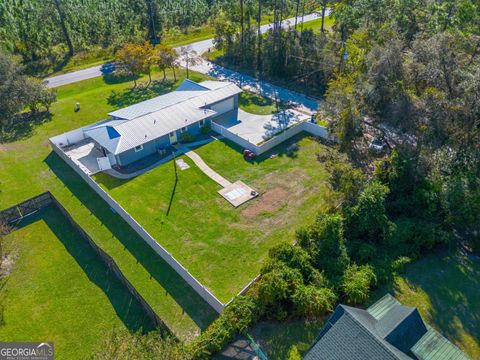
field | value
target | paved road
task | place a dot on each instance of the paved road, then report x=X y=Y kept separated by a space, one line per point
x=200 y=47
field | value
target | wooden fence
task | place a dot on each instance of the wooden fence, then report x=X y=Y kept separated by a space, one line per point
x=18 y=212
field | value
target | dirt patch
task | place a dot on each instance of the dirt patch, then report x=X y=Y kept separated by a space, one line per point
x=6 y=264
x=3 y=148
x=268 y=202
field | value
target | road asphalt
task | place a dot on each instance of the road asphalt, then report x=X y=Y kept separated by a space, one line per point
x=200 y=47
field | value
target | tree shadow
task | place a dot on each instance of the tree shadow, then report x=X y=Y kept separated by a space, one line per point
x=23 y=126
x=192 y=304
x=127 y=97
x=126 y=306
x=450 y=283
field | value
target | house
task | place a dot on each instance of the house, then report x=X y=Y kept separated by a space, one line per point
x=143 y=129
x=386 y=330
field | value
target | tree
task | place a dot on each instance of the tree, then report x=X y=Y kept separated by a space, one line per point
x=357 y=283
x=327 y=245
x=367 y=220
x=63 y=26
x=311 y=301
x=18 y=91
x=294 y=354
x=166 y=59
x=134 y=59
x=189 y=57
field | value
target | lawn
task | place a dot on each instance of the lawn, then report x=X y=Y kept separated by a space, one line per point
x=445 y=287
x=221 y=246
x=29 y=167
x=59 y=289
x=257 y=104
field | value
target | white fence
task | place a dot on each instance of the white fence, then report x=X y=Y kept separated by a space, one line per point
x=189 y=278
x=309 y=127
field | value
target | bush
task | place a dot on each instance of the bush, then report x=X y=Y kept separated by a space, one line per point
x=293 y=354
x=312 y=301
x=367 y=219
x=186 y=137
x=327 y=245
x=357 y=283
x=206 y=129
x=293 y=257
x=234 y=320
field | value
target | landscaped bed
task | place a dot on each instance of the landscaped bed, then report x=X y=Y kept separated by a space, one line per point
x=58 y=289
x=222 y=246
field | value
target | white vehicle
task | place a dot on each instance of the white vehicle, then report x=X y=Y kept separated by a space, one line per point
x=377 y=146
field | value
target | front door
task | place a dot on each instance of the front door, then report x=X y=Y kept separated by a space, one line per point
x=173 y=137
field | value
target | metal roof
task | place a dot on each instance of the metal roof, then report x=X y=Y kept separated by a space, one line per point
x=160 y=116
x=386 y=330
x=187 y=90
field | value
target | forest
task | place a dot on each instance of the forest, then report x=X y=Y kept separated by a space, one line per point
x=47 y=33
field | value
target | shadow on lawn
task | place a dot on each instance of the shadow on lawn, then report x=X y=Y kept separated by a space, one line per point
x=288 y=148
x=198 y=310
x=451 y=283
x=142 y=92
x=126 y=307
x=23 y=126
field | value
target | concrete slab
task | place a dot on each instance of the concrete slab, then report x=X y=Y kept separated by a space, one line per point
x=238 y=193
x=85 y=154
x=258 y=128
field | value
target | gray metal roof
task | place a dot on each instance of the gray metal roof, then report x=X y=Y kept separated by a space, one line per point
x=386 y=330
x=159 y=116
x=187 y=90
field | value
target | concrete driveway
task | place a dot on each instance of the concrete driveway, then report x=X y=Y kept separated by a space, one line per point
x=258 y=128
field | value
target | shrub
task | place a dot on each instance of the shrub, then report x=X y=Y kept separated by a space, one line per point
x=186 y=137
x=206 y=129
x=278 y=284
x=294 y=257
x=312 y=301
x=367 y=219
x=328 y=245
x=357 y=283
x=234 y=320
x=293 y=354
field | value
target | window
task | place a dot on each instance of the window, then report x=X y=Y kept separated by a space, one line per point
x=138 y=148
x=183 y=129
x=172 y=134
x=202 y=122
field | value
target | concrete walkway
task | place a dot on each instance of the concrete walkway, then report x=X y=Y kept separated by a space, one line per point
x=207 y=169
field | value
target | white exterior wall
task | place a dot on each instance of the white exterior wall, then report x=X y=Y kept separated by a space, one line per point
x=224 y=106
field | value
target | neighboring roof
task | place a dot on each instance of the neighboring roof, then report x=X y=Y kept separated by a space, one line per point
x=151 y=119
x=433 y=346
x=351 y=336
x=386 y=330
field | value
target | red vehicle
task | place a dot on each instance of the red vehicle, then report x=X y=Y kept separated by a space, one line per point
x=248 y=155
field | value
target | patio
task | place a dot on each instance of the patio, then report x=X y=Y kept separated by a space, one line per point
x=85 y=154
x=259 y=128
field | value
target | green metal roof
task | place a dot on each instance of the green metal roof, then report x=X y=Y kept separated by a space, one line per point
x=433 y=346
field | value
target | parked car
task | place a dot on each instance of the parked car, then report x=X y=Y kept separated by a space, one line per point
x=108 y=68
x=377 y=146
x=248 y=155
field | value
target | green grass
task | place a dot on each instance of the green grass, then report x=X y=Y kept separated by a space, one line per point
x=276 y=339
x=316 y=25
x=59 y=289
x=29 y=167
x=445 y=287
x=213 y=240
x=257 y=104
